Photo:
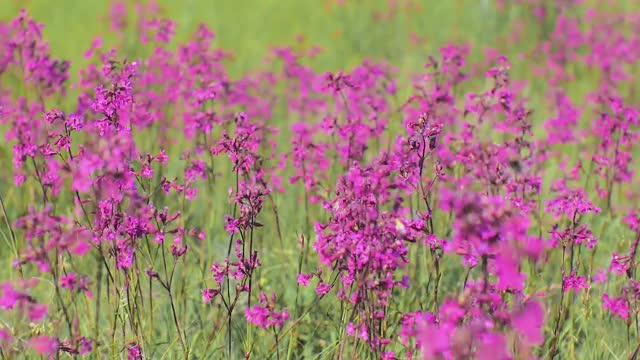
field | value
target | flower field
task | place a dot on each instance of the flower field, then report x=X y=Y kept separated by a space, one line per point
x=379 y=179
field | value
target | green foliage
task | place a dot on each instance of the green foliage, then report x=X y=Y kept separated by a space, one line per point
x=348 y=34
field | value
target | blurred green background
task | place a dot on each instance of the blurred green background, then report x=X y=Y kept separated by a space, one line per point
x=348 y=32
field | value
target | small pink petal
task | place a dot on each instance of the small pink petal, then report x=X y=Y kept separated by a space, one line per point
x=43 y=344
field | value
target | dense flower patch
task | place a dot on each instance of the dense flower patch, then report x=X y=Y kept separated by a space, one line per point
x=448 y=217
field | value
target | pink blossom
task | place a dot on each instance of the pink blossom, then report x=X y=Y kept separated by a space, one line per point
x=43 y=345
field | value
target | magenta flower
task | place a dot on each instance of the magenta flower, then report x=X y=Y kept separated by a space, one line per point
x=10 y=296
x=68 y=281
x=265 y=315
x=37 y=312
x=5 y=338
x=118 y=16
x=323 y=288
x=146 y=172
x=303 y=279
x=600 y=276
x=134 y=352
x=85 y=346
x=529 y=321
x=44 y=345
x=574 y=282
x=619 y=264
x=209 y=294
x=617 y=306
x=265 y=318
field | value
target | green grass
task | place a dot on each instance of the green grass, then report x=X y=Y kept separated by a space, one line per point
x=250 y=28
x=348 y=35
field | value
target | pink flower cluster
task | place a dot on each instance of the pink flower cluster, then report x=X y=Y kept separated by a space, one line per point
x=463 y=213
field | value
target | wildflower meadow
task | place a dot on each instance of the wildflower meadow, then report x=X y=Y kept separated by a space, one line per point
x=286 y=179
